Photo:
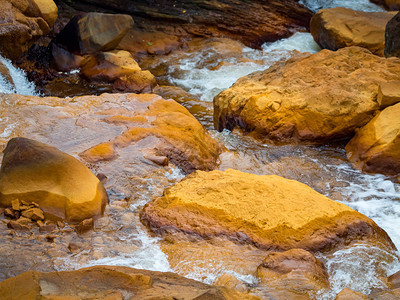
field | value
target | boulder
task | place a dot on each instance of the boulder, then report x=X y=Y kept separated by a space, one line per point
x=392 y=37
x=388 y=4
x=316 y=98
x=389 y=93
x=62 y=186
x=269 y=212
x=348 y=294
x=376 y=147
x=394 y=280
x=292 y=274
x=92 y=32
x=108 y=282
x=253 y=22
x=136 y=82
x=339 y=27
x=22 y=23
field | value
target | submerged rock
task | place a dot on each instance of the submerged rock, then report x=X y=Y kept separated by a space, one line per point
x=22 y=23
x=292 y=274
x=392 y=37
x=62 y=186
x=270 y=212
x=376 y=147
x=339 y=27
x=317 y=98
x=108 y=282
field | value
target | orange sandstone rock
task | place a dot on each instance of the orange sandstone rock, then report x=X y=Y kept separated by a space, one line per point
x=268 y=211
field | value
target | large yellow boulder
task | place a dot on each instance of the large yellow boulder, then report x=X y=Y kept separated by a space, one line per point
x=108 y=282
x=335 y=28
x=268 y=211
x=62 y=186
x=317 y=98
x=376 y=147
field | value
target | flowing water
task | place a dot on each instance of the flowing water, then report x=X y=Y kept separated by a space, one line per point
x=204 y=70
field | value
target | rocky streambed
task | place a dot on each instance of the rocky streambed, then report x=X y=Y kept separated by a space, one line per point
x=141 y=161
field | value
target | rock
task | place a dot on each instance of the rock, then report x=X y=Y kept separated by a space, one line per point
x=108 y=282
x=64 y=187
x=253 y=22
x=34 y=214
x=5 y=73
x=159 y=160
x=108 y=66
x=64 y=60
x=137 y=82
x=348 y=294
x=20 y=224
x=394 y=280
x=16 y=204
x=231 y=282
x=376 y=147
x=317 y=98
x=269 y=212
x=292 y=274
x=112 y=130
x=388 y=4
x=22 y=23
x=339 y=27
x=92 y=32
x=9 y=213
x=389 y=93
x=392 y=37
x=84 y=226
x=386 y=295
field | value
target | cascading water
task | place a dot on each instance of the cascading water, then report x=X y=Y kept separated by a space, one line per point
x=18 y=84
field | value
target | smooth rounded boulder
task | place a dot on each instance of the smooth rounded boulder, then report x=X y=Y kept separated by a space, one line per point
x=110 y=282
x=268 y=211
x=376 y=147
x=335 y=28
x=312 y=98
x=63 y=187
x=392 y=37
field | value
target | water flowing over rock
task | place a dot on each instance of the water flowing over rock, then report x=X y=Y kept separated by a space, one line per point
x=339 y=27
x=253 y=22
x=114 y=126
x=268 y=211
x=106 y=282
x=376 y=147
x=392 y=37
x=22 y=23
x=317 y=98
x=62 y=186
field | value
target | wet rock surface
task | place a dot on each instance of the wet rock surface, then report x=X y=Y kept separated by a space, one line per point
x=106 y=282
x=324 y=96
x=269 y=212
x=392 y=40
x=252 y=22
x=336 y=28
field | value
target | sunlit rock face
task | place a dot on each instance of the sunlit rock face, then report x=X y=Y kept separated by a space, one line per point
x=253 y=22
x=376 y=147
x=267 y=211
x=62 y=186
x=318 y=98
x=336 y=28
x=23 y=22
x=106 y=282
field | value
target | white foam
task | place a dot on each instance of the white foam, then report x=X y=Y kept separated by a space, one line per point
x=363 y=5
x=20 y=85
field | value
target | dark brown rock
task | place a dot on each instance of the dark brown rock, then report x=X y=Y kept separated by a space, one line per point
x=34 y=214
x=136 y=82
x=253 y=22
x=392 y=37
x=8 y=212
x=84 y=226
x=394 y=280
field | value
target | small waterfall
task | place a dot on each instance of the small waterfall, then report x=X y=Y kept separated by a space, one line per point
x=13 y=80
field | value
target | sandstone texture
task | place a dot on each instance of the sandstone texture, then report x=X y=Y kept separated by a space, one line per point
x=22 y=22
x=348 y=294
x=392 y=37
x=253 y=22
x=114 y=129
x=339 y=27
x=268 y=211
x=376 y=147
x=317 y=98
x=107 y=282
x=292 y=274
x=389 y=93
x=61 y=185
x=92 y=32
